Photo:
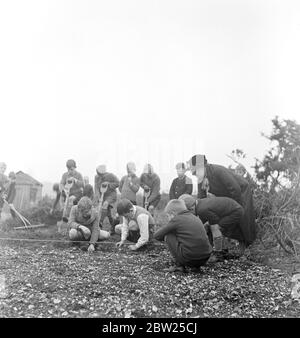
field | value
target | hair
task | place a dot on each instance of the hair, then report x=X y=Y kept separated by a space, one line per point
x=85 y=203
x=188 y=200
x=180 y=166
x=12 y=175
x=124 y=206
x=71 y=164
x=175 y=206
x=101 y=169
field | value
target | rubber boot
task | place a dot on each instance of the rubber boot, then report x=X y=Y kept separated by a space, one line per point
x=217 y=237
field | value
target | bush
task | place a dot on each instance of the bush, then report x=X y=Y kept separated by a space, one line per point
x=40 y=214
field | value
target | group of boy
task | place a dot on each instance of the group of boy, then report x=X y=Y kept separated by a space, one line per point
x=197 y=227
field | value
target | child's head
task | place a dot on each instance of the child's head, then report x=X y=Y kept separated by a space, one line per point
x=148 y=169
x=101 y=169
x=12 y=176
x=2 y=167
x=180 y=168
x=174 y=207
x=125 y=208
x=85 y=207
x=71 y=166
x=189 y=201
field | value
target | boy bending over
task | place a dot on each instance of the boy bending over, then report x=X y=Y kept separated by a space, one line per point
x=84 y=224
x=185 y=236
x=137 y=225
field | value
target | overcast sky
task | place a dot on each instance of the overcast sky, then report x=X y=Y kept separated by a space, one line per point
x=144 y=81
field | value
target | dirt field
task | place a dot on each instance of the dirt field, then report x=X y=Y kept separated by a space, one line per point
x=44 y=279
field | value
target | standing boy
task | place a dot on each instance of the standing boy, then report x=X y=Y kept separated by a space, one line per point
x=130 y=184
x=106 y=183
x=182 y=184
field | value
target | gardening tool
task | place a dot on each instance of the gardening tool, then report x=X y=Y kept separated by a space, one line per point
x=147 y=193
x=103 y=189
x=63 y=224
x=22 y=218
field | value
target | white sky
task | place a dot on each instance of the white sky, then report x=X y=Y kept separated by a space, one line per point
x=158 y=81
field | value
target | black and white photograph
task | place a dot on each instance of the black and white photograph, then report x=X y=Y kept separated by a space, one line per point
x=149 y=162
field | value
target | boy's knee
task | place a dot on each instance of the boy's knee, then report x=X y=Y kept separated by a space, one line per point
x=74 y=235
x=104 y=235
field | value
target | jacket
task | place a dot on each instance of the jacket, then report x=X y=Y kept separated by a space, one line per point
x=180 y=186
x=190 y=234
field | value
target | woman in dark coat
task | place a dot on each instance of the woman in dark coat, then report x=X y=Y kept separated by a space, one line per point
x=220 y=181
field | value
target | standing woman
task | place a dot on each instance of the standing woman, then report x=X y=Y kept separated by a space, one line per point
x=221 y=182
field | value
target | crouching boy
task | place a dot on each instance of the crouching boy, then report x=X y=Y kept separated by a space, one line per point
x=84 y=224
x=185 y=236
x=137 y=224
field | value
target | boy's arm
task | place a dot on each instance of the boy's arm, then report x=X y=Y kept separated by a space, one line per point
x=160 y=233
x=113 y=181
x=124 y=230
x=121 y=183
x=95 y=231
x=143 y=222
x=155 y=190
x=135 y=184
x=142 y=183
x=171 y=192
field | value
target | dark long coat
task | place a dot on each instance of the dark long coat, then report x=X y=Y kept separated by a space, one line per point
x=223 y=182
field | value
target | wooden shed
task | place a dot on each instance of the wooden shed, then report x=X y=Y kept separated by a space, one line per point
x=28 y=191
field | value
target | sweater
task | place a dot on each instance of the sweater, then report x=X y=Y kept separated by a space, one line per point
x=212 y=210
x=76 y=189
x=153 y=182
x=180 y=186
x=190 y=234
x=111 y=193
x=129 y=186
x=92 y=222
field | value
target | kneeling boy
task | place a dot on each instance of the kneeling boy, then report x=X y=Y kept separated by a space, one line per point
x=137 y=225
x=185 y=236
x=84 y=224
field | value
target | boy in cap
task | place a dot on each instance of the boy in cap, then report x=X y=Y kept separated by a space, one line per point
x=130 y=184
x=150 y=182
x=185 y=236
x=84 y=224
x=107 y=182
x=224 y=216
x=74 y=179
x=182 y=184
x=137 y=225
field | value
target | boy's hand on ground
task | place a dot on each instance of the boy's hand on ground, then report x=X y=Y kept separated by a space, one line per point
x=119 y=244
x=132 y=247
x=91 y=248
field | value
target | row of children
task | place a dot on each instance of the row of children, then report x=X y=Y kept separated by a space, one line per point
x=224 y=208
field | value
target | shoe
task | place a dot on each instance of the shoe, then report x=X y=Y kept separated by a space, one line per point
x=217 y=256
x=176 y=268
